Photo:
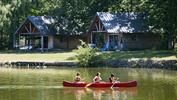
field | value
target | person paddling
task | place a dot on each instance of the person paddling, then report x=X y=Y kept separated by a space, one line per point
x=113 y=79
x=97 y=78
x=77 y=78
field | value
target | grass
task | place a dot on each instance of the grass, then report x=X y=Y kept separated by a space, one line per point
x=54 y=56
x=37 y=56
x=147 y=54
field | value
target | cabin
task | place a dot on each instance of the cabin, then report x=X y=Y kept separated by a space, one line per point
x=122 y=31
x=40 y=32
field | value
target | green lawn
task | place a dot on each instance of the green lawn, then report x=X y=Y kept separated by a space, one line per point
x=37 y=56
x=70 y=55
x=147 y=54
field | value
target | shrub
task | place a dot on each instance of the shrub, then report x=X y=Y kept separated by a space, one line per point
x=86 y=55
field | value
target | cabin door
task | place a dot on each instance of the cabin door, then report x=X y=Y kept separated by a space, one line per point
x=113 y=41
x=99 y=40
x=45 y=42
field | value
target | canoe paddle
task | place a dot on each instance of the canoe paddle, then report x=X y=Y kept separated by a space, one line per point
x=89 y=84
x=112 y=85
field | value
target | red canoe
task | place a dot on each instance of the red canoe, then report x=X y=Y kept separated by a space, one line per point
x=100 y=84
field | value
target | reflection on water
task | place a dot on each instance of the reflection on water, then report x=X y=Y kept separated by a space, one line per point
x=46 y=84
x=62 y=93
x=100 y=93
x=78 y=92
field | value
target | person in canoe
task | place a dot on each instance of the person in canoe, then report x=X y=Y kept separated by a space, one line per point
x=77 y=77
x=113 y=79
x=97 y=78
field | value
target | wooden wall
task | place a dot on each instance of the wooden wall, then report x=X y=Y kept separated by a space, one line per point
x=60 y=42
x=140 y=41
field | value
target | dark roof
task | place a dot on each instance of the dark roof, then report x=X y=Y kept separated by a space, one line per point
x=46 y=25
x=123 y=22
x=43 y=23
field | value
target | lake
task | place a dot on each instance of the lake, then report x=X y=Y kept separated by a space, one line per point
x=46 y=84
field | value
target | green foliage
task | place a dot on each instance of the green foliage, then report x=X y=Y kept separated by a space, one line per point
x=86 y=55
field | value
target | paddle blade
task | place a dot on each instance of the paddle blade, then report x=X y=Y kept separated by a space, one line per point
x=88 y=84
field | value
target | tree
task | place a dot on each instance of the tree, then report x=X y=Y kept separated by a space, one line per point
x=162 y=18
x=6 y=7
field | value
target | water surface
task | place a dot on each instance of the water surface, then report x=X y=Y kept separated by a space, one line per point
x=46 y=84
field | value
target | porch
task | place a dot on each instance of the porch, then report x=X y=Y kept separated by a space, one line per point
x=33 y=42
x=106 y=41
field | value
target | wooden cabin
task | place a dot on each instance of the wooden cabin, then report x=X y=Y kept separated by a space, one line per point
x=122 y=31
x=39 y=32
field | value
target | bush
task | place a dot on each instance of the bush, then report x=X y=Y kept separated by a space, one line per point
x=87 y=56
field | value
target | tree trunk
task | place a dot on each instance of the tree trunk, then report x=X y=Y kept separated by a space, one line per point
x=170 y=25
x=67 y=41
x=1 y=37
x=170 y=41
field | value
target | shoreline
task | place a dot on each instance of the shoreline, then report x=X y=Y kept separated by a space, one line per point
x=142 y=63
x=127 y=63
x=39 y=64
